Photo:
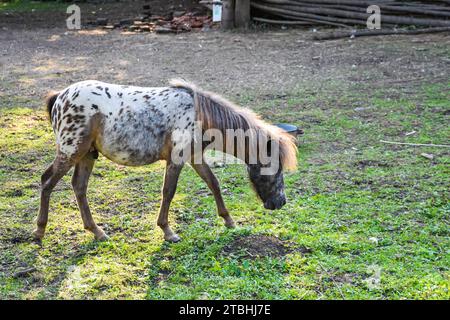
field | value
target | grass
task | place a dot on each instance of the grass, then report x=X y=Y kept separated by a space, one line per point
x=357 y=209
x=28 y=6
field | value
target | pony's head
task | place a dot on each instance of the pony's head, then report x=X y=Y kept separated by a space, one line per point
x=269 y=188
x=267 y=180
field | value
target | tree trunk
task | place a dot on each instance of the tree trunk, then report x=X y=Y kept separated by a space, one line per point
x=228 y=14
x=242 y=14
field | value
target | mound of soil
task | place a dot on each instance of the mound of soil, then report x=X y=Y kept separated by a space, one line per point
x=260 y=246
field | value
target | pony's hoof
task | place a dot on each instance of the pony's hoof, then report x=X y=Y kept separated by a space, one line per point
x=230 y=224
x=102 y=238
x=37 y=235
x=172 y=238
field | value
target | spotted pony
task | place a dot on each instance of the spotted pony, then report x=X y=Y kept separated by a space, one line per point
x=135 y=126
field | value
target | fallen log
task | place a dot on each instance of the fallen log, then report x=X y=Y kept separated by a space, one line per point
x=350 y=2
x=417 y=7
x=287 y=22
x=306 y=16
x=418 y=10
x=366 y=33
x=295 y=7
x=390 y=9
x=314 y=21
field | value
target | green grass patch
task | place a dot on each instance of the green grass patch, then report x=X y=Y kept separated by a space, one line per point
x=364 y=220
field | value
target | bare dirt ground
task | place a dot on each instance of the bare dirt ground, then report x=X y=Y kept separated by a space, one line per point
x=35 y=61
x=37 y=53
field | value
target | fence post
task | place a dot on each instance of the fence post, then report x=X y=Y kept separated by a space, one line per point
x=242 y=14
x=228 y=14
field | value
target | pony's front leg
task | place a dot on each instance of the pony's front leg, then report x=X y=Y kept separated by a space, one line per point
x=204 y=171
x=168 y=191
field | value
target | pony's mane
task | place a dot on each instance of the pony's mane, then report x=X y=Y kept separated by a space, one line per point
x=214 y=111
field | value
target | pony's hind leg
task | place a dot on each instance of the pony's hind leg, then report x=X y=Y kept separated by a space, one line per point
x=168 y=191
x=80 y=178
x=204 y=171
x=49 y=179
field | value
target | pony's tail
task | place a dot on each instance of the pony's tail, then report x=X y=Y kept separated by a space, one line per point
x=50 y=101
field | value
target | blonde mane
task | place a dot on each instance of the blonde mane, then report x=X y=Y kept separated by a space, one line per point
x=214 y=111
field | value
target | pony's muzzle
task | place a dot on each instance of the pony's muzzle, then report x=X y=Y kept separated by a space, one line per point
x=274 y=204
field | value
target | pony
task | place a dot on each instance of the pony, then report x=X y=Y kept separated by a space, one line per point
x=136 y=126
